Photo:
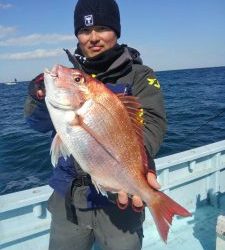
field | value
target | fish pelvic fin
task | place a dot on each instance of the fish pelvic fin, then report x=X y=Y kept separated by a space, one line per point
x=99 y=188
x=58 y=149
x=163 y=209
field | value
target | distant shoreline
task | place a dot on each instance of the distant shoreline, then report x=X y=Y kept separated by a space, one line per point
x=190 y=68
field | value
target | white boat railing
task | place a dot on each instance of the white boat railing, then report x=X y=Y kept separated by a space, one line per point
x=192 y=178
x=200 y=172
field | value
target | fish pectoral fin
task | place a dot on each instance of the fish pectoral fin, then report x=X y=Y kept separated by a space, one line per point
x=81 y=122
x=99 y=188
x=57 y=150
x=86 y=118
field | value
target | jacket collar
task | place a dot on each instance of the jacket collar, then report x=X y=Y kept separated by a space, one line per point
x=110 y=64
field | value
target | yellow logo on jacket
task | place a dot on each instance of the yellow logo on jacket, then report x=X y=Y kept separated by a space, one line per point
x=154 y=82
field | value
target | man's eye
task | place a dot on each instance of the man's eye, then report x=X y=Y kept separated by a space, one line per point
x=84 y=31
x=102 y=28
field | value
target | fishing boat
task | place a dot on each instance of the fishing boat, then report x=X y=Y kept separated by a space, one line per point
x=194 y=178
x=12 y=82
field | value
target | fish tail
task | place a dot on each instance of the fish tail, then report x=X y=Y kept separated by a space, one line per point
x=163 y=208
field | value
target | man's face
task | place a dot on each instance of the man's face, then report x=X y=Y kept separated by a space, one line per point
x=95 y=40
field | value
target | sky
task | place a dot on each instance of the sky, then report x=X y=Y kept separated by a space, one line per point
x=169 y=34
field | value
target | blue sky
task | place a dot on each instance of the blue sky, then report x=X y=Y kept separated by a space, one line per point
x=170 y=34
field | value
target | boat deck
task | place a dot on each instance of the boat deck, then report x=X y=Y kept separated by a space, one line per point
x=195 y=233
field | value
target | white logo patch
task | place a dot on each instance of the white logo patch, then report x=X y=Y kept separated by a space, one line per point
x=88 y=20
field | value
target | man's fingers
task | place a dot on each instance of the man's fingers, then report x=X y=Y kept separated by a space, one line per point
x=123 y=202
x=137 y=202
x=122 y=197
x=40 y=94
x=152 y=180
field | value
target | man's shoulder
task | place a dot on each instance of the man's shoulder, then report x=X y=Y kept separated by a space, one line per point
x=137 y=73
x=142 y=69
x=38 y=79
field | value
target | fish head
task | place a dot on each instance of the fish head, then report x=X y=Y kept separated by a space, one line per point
x=66 y=88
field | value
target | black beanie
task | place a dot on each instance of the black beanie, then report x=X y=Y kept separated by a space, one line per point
x=89 y=13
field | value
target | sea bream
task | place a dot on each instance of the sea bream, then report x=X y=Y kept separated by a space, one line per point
x=104 y=133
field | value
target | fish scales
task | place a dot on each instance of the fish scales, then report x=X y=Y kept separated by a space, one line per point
x=102 y=132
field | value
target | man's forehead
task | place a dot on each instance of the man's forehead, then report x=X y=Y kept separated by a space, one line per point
x=95 y=27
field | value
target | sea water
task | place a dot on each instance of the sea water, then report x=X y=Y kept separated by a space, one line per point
x=195 y=107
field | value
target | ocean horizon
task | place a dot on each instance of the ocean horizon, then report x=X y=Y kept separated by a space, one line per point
x=156 y=71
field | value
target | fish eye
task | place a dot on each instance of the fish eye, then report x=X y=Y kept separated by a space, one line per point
x=78 y=78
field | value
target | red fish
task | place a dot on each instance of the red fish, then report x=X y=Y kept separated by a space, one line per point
x=104 y=134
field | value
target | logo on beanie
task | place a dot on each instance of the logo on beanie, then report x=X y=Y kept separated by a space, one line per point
x=88 y=20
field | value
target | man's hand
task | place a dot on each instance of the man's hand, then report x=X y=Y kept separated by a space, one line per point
x=37 y=88
x=136 y=200
x=40 y=94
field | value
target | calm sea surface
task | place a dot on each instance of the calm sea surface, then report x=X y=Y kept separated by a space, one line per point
x=195 y=105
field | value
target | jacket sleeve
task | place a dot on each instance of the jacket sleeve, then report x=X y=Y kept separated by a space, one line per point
x=35 y=110
x=147 y=88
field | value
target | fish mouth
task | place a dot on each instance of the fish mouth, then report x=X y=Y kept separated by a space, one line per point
x=58 y=105
x=52 y=74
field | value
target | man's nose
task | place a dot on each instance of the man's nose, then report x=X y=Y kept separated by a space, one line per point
x=94 y=36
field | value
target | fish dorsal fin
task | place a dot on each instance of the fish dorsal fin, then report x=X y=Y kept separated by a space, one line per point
x=135 y=113
x=58 y=149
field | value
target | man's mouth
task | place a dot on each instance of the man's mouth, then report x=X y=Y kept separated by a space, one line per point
x=96 y=48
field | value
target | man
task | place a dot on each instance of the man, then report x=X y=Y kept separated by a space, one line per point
x=80 y=215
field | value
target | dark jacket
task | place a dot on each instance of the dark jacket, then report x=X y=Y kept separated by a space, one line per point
x=126 y=73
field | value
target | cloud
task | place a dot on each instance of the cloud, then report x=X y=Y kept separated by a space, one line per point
x=35 y=54
x=5 y=31
x=5 y=5
x=36 y=39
